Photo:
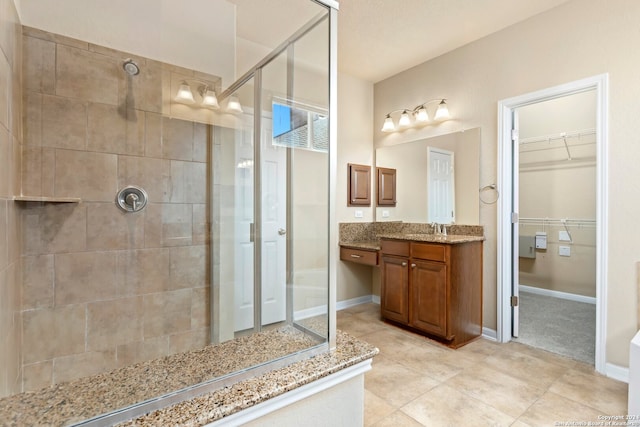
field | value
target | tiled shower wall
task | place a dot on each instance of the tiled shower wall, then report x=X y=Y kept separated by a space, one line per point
x=10 y=238
x=104 y=288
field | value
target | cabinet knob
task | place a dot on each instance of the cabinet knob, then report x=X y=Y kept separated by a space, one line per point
x=413 y=266
x=404 y=264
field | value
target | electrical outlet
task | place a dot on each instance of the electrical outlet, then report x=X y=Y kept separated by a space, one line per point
x=564 y=250
x=359 y=214
x=385 y=214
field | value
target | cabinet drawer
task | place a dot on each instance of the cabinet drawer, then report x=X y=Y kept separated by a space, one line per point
x=359 y=255
x=429 y=251
x=394 y=247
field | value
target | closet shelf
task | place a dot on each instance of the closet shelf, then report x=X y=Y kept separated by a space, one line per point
x=45 y=199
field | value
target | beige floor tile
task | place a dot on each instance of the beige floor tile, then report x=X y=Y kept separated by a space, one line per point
x=521 y=365
x=356 y=326
x=375 y=408
x=603 y=394
x=436 y=362
x=392 y=343
x=396 y=384
x=540 y=354
x=446 y=406
x=504 y=392
x=397 y=419
x=552 y=408
x=480 y=349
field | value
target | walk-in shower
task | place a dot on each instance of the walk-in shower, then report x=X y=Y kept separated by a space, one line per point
x=158 y=226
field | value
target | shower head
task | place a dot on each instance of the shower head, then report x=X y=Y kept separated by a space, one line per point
x=131 y=67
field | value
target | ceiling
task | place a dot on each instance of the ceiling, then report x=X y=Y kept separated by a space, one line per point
x=380 y=38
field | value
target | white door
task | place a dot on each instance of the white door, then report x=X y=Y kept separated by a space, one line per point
x=244 y=239
x=274 y=220
x=440 y=186
x=515 y=232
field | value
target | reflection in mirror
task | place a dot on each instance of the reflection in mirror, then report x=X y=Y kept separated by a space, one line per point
x=412 y=162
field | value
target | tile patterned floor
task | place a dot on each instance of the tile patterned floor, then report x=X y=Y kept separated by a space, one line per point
x=416 y=382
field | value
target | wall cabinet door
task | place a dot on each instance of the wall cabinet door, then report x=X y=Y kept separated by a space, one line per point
x=429 y=297
x=395 y=289
x=359 y=186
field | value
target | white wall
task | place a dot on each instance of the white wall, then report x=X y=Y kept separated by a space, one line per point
x=578 y=39
x=355 y=145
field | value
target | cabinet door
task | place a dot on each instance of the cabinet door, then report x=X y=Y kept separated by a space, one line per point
x=359 y=186
x=429 y=297
x=394 y=299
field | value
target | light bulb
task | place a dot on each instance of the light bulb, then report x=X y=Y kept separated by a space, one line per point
x=209 y=99
x=184 y=94
x=422 y=115
x=234 y=105
x=405 y=120
x=388 y=125
x=442 y=113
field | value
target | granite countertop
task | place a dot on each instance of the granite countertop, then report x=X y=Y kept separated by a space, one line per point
x=78 y=400
x=367 y=246
x=451 y=239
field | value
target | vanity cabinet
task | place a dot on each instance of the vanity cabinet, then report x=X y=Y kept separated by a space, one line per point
x=433 y=288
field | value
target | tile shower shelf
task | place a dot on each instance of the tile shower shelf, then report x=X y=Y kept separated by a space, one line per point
x=47 y=199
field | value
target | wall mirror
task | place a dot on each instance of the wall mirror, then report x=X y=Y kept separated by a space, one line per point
x=411 y=160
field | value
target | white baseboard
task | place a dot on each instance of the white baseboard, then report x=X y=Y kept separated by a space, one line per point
x=616 y=372
x=556 y=294
x=489 y=334
x=341 y=305
x=375 y=299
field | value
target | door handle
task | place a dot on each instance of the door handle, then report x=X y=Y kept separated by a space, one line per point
x=282 y=231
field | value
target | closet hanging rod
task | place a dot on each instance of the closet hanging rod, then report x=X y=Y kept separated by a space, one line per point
x=558 y=221
x=557 y=136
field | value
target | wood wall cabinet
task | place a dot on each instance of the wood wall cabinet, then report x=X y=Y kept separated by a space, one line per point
x=386 y=186
x=359 y=185
x=433 y=288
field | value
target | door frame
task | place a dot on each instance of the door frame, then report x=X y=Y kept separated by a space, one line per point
x=599 y=83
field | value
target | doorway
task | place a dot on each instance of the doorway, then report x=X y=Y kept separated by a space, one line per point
x=532 y=232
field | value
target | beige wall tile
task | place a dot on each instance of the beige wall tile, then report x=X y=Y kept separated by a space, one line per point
x=177 y=139
x=10 y=22
x=167 y=313
x=203 y=134
x=52 y=228
x=142 y=271
x=82 y=365
x=153 y=135
x=16 y=166
x=64 y=122
x=200 y=303
x=5 y=92
x=4 y=242
x=91 y=176
x=112 y=129
x=153 y=175
x=56 y=38
x=38 y=282
x=188 y=182
x=200 y=225
x=39 y=68
x=168 y=224
x=5 y=163
x=144 y=91
x=84 y=277
x=188 y=267
x=109 y=227
x=37 y=375
x=190 y=340
x=114 y=322
x=87 y=75
x=14 y=232
x=32 y=118
x=31 y=170
x=66 y=324
x=153 y=348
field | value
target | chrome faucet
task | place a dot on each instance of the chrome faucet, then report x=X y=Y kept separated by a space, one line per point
x=439 y=229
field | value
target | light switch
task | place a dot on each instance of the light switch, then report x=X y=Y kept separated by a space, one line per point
x=564 y=250
x=385 y=214
x=359 y=214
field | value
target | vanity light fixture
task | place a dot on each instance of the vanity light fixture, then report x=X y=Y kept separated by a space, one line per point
x=417 y=115
x=206 y=92
x=233 y=105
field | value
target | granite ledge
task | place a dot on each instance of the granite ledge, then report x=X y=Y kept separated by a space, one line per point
x=450 y=239
x=367 y=246
x=215 y=405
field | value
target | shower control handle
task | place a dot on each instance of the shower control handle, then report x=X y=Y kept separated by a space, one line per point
x=131 y=199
